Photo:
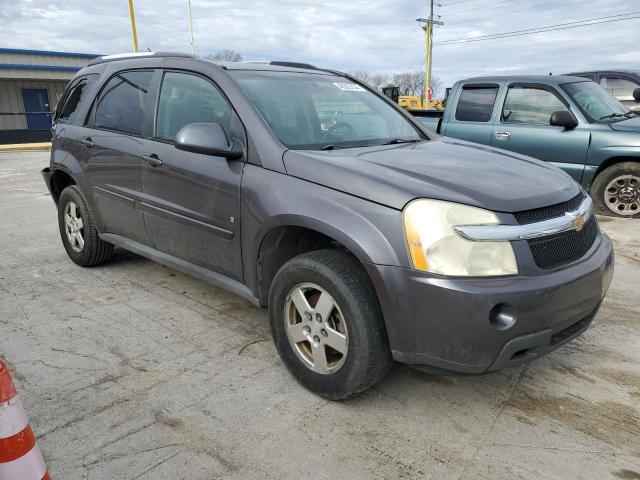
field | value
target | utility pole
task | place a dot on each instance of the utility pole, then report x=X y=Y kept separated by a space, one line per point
x=133 y=26
x=428 y=30
x=193 y=45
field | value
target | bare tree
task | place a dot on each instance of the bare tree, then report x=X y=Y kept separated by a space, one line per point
x=413 y=83
x=379 y=80
x=225 y=55
x=375 y=80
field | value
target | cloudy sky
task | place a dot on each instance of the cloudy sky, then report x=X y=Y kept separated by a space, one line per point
x=373 y=35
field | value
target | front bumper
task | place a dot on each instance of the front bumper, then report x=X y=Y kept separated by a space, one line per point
x=443 y=323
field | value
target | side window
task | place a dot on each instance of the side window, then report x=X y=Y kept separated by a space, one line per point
x=621 y=88
x=185 y=99
x=530 y=105
x=68 y=105
x=122 y=102
x=476 y=104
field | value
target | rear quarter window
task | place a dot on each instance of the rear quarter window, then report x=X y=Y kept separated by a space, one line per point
x=69 y=104
x=476 y=104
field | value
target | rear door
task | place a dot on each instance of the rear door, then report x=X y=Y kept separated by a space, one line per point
x=473 y=116
x=191 y=201
x=523 y=127
x=113 y=147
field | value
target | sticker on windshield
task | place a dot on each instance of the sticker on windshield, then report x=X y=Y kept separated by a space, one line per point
x=349 y=87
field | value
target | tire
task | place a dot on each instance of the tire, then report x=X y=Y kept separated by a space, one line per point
x=616 y=190
x=91 y=250
x=356 y=313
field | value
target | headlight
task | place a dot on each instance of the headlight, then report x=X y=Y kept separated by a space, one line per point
x=434 y=245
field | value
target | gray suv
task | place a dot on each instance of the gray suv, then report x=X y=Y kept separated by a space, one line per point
x=370 y=238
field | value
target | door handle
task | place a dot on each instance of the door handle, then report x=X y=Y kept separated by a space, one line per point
x=152 y=160
x=502 y=136
x=87 y=142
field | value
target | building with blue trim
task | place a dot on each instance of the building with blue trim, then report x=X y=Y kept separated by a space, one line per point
x=31 y=84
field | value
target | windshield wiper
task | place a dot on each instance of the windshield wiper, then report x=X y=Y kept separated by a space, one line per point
x=612 y=115
x=328 y=147
x=396 y=141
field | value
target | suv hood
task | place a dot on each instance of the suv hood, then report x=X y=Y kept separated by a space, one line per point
x=443 y=169
x=631 y=125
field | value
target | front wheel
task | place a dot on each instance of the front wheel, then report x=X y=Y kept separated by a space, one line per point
x=78 y=231
x=616 y=190
x=327 y=324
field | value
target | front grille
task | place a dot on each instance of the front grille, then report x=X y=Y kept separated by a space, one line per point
x=545 y=213
x=563 y=248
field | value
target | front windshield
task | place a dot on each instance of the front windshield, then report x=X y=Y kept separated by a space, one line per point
x=598 y=104
x=317 y=111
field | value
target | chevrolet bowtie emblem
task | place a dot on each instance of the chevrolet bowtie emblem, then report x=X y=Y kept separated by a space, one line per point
x=578 y=221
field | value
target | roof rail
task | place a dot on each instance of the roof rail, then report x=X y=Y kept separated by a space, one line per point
x=132 y=55
x=280 y=63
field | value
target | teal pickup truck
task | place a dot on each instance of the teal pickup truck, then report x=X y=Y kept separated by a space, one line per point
x=571 y=122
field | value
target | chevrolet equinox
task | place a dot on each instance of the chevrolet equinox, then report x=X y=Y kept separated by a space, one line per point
x=369 y=238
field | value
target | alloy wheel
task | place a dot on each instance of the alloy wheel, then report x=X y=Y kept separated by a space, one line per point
x=73 y=226
x=316 y=328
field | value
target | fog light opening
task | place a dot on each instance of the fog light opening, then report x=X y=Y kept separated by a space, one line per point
x=502 y=316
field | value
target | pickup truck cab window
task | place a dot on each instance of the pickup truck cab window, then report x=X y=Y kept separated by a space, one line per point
x=312 y=111
x=530 y=105
x=186 y=98
x=476 y=104
x=122 y=102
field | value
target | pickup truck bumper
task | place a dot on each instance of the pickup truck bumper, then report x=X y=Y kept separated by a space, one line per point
x=444 y=324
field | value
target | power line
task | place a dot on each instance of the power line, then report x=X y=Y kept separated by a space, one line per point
x=549 y=28
x=454 y=3
x=483 y=7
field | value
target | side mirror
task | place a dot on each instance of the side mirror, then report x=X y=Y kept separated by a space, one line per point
x=208 y=139
x=636 y=95
x=563 y=118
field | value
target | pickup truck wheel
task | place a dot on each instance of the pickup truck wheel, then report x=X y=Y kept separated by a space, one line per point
x=616 y=190
x=327 y=324
x=79 y=235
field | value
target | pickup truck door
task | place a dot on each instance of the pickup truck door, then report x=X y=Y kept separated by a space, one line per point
x=474 y=115
x=191 y=201
x=523 y=127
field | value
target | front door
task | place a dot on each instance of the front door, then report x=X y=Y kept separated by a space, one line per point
x=36 y=106
x=112 y=148
x=191 y=202
x=524 y=128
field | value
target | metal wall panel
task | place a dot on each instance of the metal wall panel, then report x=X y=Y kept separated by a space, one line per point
x=11 y=99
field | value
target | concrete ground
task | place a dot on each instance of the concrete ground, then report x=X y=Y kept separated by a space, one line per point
x=135 y=371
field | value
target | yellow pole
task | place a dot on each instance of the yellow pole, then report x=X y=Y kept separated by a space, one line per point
x=427 y=65
x=133 y=26
x=193 y=45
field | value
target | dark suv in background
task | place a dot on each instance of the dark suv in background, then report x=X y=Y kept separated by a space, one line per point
x=367 y=236
x=622 y=84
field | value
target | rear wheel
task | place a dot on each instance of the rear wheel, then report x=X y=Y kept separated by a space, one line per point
x=327 y=324
x=616 y=190
x=77 y=230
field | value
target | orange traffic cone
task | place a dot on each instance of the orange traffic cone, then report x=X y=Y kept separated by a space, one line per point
x=20 y=457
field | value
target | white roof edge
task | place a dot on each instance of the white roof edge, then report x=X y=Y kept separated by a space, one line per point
x=126 y=55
